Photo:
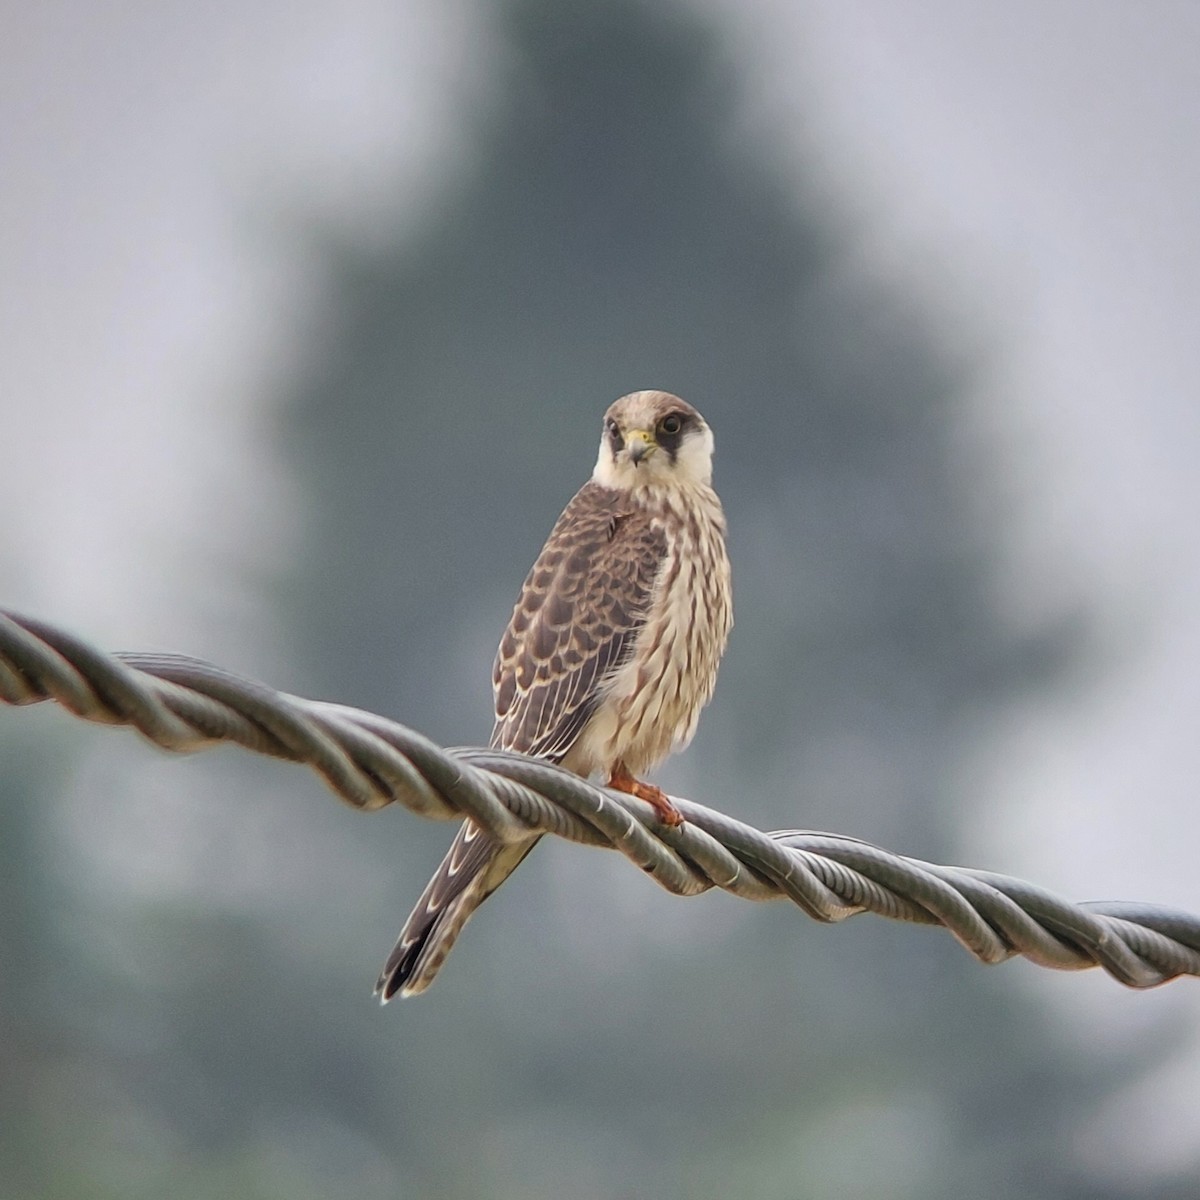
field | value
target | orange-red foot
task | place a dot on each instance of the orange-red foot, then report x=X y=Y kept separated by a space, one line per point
x=621 y=780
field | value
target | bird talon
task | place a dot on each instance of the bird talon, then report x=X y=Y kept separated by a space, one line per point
x=667 y=813
x=622 y=781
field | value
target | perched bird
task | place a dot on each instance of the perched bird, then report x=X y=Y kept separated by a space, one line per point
x=611 y=652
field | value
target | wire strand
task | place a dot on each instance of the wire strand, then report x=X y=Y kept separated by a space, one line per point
x=184 y=704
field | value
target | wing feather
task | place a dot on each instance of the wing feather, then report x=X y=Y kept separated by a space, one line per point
x=583 y=602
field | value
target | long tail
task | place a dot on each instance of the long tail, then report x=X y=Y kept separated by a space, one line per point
x=474 y=867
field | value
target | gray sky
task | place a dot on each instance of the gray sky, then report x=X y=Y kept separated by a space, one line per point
x=1040 y=160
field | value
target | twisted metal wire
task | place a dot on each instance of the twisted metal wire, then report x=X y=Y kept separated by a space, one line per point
x=184 y=704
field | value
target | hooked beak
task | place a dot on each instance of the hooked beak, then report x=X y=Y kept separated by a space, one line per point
x=641 y=444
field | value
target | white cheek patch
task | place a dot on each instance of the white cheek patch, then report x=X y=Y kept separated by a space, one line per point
x=694 y=459
x=610 y=473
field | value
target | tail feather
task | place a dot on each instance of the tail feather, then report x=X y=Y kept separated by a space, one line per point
x=474 y=867
x=423 y=947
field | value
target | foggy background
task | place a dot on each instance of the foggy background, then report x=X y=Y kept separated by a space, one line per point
x=309 y=316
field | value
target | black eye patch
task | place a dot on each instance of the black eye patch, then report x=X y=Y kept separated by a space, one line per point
x=612 y=431
x=670 y=430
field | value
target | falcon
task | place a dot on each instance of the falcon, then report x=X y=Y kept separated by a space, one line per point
x=611 y=652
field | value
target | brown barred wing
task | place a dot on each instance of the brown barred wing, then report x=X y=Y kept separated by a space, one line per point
x=582 y=604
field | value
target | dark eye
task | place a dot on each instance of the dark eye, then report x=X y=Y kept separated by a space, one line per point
x=671 y=424
x=610 y=426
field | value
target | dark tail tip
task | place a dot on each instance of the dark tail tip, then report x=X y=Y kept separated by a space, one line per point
x=402 y=963
x=418 y=955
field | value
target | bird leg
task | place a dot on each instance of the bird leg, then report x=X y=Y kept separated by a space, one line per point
x=620 y=779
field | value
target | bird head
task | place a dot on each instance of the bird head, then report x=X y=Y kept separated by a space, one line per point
x=654 y=440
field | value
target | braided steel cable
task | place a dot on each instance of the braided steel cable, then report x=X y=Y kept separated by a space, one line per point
x=184 y=704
